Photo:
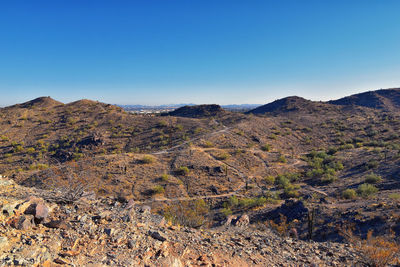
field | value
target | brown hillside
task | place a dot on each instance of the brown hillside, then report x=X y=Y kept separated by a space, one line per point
x=199 y=111
x=385 y=99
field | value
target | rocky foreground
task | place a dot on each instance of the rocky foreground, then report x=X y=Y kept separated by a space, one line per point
x=107 y=232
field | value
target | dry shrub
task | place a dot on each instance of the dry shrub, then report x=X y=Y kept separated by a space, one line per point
x=376 y=251
x=187 y=213
x=67 y=183
x=282 y=228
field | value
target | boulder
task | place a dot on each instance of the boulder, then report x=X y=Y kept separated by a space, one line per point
x=229 y=220
x=243 y=220
x=39 y=211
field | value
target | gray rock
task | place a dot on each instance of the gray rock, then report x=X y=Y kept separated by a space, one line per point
x=158 y=236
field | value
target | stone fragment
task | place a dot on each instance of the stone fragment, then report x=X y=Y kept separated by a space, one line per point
x=23 y=222
x=57 y=224
x=131 y=243
x=145 y=209
x=131 y=204
x=229 y=220
x=157 y=235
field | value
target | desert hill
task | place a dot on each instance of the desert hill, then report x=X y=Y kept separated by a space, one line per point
x=198 y=111
x=293 y=104
x=385 y=99
x=40 y=102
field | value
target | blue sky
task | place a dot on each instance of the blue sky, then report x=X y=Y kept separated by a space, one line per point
x=196 y=51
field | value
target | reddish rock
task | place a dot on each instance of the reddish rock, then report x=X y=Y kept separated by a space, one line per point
x=24 y=222
x=41 y=212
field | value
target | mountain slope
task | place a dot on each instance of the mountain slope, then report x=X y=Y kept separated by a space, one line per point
x=199 y=111
x=289 y=104
x=385 y=99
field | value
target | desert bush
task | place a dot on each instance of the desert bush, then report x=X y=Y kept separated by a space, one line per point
x=349 y=194
x=165 y=177
x=39 y=166
x=394 y=196
x=282 y=181
x=30 y=150
x=158 y=189
x=147 y=159
x=226 y=211
x=269 y=179
x=273 y=136
x=282 y=159
x=266 y=147
x=370 y=165
x=366 y=190
x=18 y=149
x=67 y=183
x=223 y=156
x=376 y=251
x=290 y=191
x=252 y=202
x=281 y=228
x=183 y=170
x=208 y=144
x=372 y=178
x=187 y=213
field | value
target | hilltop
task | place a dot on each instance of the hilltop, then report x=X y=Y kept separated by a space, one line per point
x=384 y=99
x=289 y=104
x=198 y=111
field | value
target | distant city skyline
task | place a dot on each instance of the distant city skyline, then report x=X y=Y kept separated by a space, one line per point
x=201 y=52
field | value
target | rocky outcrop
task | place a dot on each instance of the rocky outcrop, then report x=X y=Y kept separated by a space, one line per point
x=93 y=232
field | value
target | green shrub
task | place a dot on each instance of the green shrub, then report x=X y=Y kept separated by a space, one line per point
x=158 y=189
x=147 y=159
x=252 y=202
x=370 y=165
x=208 y=144
x=282 y=181
x=183 y=170
x=366 y=190
x=226 y=212
x=165 y=177
x=269 y=179
x=282 y=159
x=266 y=147
x=372 y=178
x=394 y=196
x=349 y=194
x=223 y=156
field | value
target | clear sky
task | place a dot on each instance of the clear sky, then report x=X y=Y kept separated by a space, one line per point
x=196 y=51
